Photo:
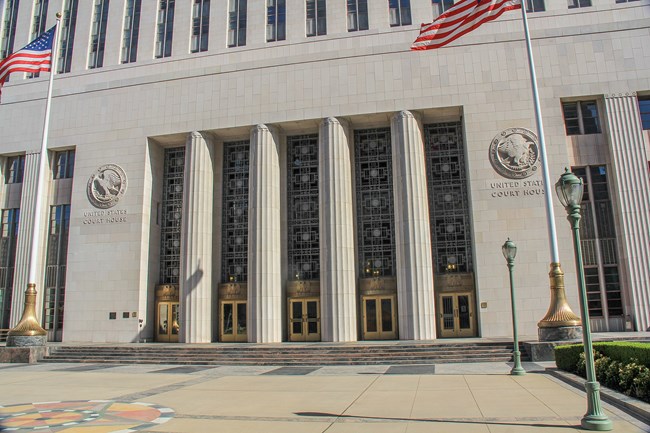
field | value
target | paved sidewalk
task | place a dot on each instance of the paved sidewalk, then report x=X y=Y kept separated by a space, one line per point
x=481 y=397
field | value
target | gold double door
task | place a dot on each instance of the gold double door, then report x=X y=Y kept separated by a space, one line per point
x=456 y=315
x=232 y=321
x=379 y=317
x=304 y=319
x=167 y=319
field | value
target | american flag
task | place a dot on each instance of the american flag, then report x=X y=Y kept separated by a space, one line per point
x=463 y=17
x=34 y=57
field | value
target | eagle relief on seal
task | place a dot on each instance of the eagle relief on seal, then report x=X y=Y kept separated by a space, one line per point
x=106 y=186
x=514 y=153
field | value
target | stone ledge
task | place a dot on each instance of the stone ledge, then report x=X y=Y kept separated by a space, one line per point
x=23 y=355
x=633 y=406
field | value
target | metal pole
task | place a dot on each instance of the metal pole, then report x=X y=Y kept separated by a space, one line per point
x=517 y=369
x=595 y=418
x=28 y=331
x=559 y=314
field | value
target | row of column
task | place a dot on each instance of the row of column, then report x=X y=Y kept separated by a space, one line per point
x=337 y=241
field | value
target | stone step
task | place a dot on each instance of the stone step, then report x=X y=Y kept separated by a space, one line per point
x=326 y=354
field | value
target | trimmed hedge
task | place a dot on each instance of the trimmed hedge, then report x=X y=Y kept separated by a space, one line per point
x=621 y=366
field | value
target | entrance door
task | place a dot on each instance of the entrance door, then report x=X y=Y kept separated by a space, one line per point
x=304 y=319
x=379 y=318
x=168 y=322
x=232 y=325
x=456 y=315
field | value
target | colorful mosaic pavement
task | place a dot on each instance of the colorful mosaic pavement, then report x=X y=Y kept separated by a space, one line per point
x=88 y=416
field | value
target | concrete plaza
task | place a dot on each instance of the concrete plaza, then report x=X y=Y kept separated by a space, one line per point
x=479 y=397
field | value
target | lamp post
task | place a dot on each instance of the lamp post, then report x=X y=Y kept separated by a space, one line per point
x=509 y=250
x=569 y=190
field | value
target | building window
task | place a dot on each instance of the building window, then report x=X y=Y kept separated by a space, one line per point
x=626 y=1
x=579 y=4
x=8 y=240
x=599 y=245
x=399 y=12
x=237 y=23
x=200 y=25
x=303 y=219
x=357 y=15
x=581 y=118
x=316 y=18
x=644 y=110
x=165 y=28
x=10 y=17
x=172 y=211
x=98 y=34
x=15 y=169
x=451 y=237
x=535 y=6
x=38 y=24
x=375 y=210
x=234 y=224
x=131 y=31
x=441 y=6
x=276 y=17
x=63 y=164
x=55 y=270
x=68 y=26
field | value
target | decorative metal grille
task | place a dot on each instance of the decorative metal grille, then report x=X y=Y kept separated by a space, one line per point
x=234 y=255
x=451 y=240
x=302 y=190
x=55 y=270
x=375 y=213
x=172 y=216
x=598 y=244
x=8 y=241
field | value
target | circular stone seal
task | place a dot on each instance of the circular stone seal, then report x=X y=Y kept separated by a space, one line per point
x=514 y=153
x=106 y=186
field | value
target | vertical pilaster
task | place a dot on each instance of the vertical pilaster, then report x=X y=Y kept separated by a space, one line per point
x=196 y=242
x=629 y=161
x=24 y=243
x=415 y=298
x=264 y=247
x=338 y=281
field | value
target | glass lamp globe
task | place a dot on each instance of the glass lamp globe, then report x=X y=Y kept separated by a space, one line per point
x=509 y=250
x=569 y=189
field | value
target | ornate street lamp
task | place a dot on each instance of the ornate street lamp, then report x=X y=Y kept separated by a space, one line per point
x=569 y=190
x=509 y=250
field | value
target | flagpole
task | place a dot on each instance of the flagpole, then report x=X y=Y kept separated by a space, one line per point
x=28 y=331
x=559 y=323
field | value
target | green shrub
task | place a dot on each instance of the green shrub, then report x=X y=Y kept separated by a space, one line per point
x=614 y=365
x=567 y=357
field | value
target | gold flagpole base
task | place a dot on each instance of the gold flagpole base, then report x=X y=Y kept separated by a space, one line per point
x=28 y=332
x=559 y=323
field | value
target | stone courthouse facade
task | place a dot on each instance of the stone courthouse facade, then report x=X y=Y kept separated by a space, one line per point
x=289 y=170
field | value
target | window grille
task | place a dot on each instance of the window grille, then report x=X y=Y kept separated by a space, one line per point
x=15 y=169
x=172 y=215
x=357 y=15
x=375 y=212
x=234 y=225
x=644 y=111
x=276 y=16
x=55 y=270
x=451 y=239
x=579 y=4
x=598 y=244
x=63 y=164
x=237 y=23
x=581 y=117
x=38 y=24
x=441 y=6
x=399 y=12
x=8 y=28
x=8 y=242
x=303 y=217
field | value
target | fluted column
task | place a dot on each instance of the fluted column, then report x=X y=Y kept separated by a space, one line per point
x=337 y=271
x=415 y=299
x=264 y=247
x=24 y=242
x=196 y=242
x=629 y=160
